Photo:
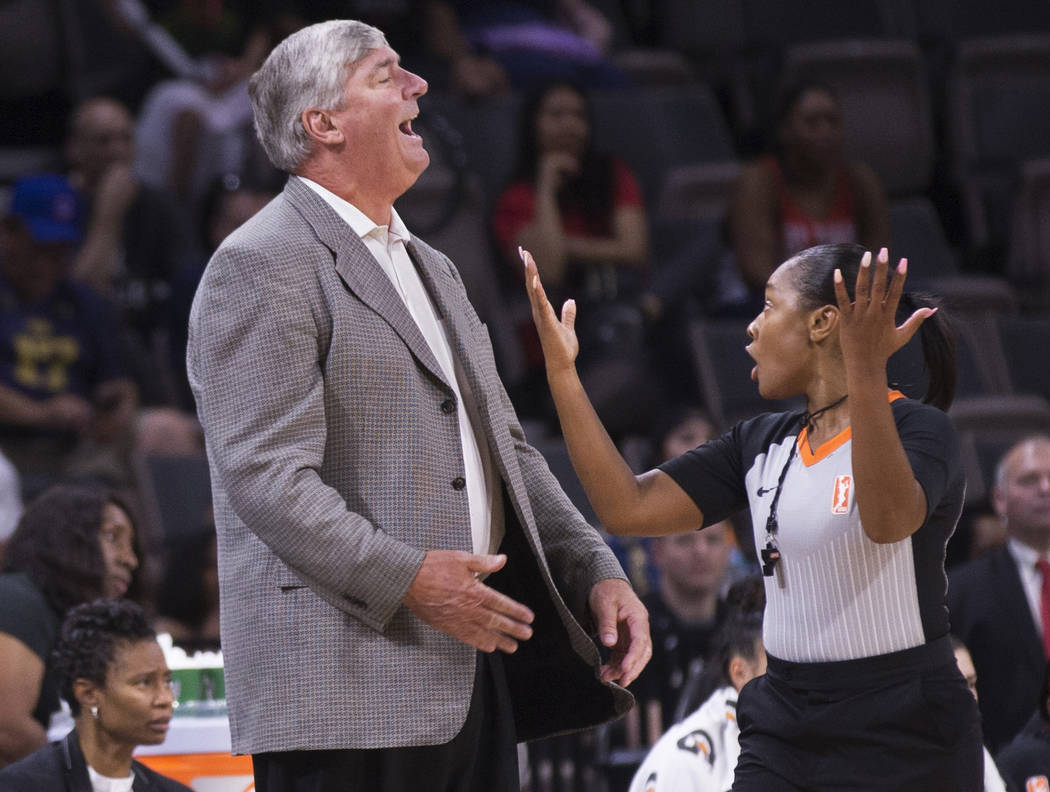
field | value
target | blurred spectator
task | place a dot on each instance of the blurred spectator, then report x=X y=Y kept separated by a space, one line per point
x=685 y=613
x=10 y=500
x=71 y=546
x=678 y=429
x=1000 y=603
x=228 y=202
x=699 y=754
x=521 y=43
x=993 y=782
x=804 y=192
x=686 y=428
x=112 y=672
x=581 y=214
x=138 y=240
x=469 y=72
x=1025 y=762
x=63 y=386
x=188 y=595
x=197 y=126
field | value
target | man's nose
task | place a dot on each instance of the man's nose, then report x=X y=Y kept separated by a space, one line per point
x=417 y=86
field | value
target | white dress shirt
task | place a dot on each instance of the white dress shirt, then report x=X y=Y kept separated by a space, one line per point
x=387 y=244
x=1031 y=580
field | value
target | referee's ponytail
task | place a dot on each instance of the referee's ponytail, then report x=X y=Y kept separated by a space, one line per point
x=813 y=278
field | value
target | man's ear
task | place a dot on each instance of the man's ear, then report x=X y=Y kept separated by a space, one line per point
x=822 y=323
x=998 y=499
x=318 y=125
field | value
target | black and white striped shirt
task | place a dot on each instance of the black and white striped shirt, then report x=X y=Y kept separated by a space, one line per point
x=843 y=596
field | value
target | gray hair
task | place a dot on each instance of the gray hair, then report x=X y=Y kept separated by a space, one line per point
x=1000 y=468
x=307 y=69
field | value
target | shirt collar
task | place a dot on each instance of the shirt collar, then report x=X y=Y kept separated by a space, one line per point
x=358 y=221
x=1024 y=555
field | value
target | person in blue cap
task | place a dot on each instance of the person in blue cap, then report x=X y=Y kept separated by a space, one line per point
x=64 y=397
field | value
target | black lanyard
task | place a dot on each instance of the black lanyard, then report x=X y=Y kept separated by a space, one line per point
x=771 y=553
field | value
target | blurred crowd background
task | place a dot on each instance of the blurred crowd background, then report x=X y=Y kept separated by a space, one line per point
x=659 y=158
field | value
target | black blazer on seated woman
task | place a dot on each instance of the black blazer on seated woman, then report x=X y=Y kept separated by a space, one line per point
x=60 y=767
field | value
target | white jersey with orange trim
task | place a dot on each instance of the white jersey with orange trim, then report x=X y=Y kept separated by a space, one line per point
x=697 y=755
x=836 y=594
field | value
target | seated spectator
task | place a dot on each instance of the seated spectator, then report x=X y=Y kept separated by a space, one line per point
x=195 y=127
x=71 y=546
x=993 y=782
x=699 y=754
x=63 y=384
x=685 y=614
x=805 y=192
x=188 y=595
x=581 y=213
x=996 y=600
x=1025 y=761
x=112 y=672
x=679 y=428
x=138 y=240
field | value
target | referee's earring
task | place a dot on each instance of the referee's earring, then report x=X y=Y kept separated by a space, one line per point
x=94 y=712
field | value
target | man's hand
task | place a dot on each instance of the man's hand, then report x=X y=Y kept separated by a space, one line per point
x=623 y=626
x=448 y=596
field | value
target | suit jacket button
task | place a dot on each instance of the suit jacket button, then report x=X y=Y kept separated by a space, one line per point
x=459 y=483
x=448 y=406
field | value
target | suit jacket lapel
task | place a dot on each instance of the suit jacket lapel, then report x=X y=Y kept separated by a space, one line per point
x=361 y=272
x=441 y=286
x=1020 y=619
x=437 y=279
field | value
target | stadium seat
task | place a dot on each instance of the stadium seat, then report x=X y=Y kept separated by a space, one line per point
x=998 y=94
x=917 y=234
x=1028 y=264
x=654 y=131
x=1025 y=345
x=176 y=495
x=700 y=191
x=724 y=368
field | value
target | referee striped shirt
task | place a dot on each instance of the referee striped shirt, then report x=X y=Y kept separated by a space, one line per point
x=837 y=595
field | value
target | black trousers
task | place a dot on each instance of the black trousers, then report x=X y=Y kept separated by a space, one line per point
x=904 y=721
x=483 y=757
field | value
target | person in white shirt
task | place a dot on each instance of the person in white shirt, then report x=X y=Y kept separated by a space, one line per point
x=699 y=754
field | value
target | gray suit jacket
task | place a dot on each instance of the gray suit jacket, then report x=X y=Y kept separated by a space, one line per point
x=332 y=464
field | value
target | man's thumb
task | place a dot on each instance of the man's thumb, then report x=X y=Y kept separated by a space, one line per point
x=486 y=564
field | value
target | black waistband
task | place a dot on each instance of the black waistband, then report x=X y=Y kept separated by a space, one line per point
x=863 y=671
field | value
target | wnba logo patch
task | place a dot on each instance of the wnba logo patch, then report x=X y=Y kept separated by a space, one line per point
x=1037 y=783
x=841 y=496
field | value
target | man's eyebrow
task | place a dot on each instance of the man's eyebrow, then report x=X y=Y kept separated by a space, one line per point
x=390 y=61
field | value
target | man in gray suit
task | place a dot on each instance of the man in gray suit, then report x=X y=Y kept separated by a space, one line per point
x=406 y=590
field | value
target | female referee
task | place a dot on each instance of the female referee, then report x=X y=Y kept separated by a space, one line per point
x=853 y=502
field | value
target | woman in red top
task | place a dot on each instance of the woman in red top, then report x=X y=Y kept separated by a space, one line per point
x=583 y=210
x=582 y=213
x=805 y=193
